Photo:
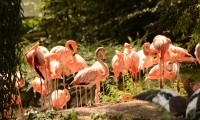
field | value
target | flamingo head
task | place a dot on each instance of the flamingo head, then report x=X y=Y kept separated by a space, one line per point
x=126 y=45
x=73 y=44
x=103 y=52
x=119 y=54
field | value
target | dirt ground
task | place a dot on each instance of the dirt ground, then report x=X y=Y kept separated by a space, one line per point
x=133 y=110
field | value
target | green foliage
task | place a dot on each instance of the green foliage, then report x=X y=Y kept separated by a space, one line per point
x=53 y=115
x=164 y=114
x=95 y=116
x=33 y=24
x=115 y=117
x=96 y=20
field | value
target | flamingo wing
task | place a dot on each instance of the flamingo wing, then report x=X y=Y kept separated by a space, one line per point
x=84 y=77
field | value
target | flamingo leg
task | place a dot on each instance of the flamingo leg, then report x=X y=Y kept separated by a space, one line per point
x=86 y=96
x=147 y=83
x=161 y=66
x=41 y=94
x=63 y=80
x=97 y=91
x=116 y=89
x=178 y=77
x=171 y=81
x=162 y=73
x=55 y=84
x=91 y=95
x=80 y=96
x=76 y=97
x=123 y=82
x=103 y=90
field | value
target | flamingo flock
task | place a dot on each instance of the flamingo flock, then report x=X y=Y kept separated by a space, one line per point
x=161 y=56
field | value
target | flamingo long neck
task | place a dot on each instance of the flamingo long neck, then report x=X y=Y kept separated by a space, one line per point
x=34 y=47
x=146 y=48
x=68 y=97
x=74 y=51
x=102 y=63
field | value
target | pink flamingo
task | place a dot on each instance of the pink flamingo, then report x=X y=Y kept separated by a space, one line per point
x=38 y=56
x=98 y=66
x=170 y=70
x=77 y=64
x=160 y=45
x=125 y=96
x=36 y=83
x=131 y=60
x=87 y=77
x=64 y=53
x=118 y=66
x=146 y=59
x=197 y=52
x=59 y=98
x=178 y=54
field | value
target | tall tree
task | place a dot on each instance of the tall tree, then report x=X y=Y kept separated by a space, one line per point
x=117 y=19
x=10 y=51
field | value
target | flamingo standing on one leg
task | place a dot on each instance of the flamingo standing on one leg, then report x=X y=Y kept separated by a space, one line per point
x=87 y=77
x=118 y=66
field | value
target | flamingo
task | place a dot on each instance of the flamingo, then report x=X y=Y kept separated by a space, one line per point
x=160 y=45
x=88 y=76
x=38 y=56
x=36 y=83
x=146 y=60
x=131 y=60
x=64 y=53
x=97 y=66
x=125 y=96
x=178 y=54
x=118 y=66
x=77 y=63
x=59 y=98
x=197 y=52
x=170 y=70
